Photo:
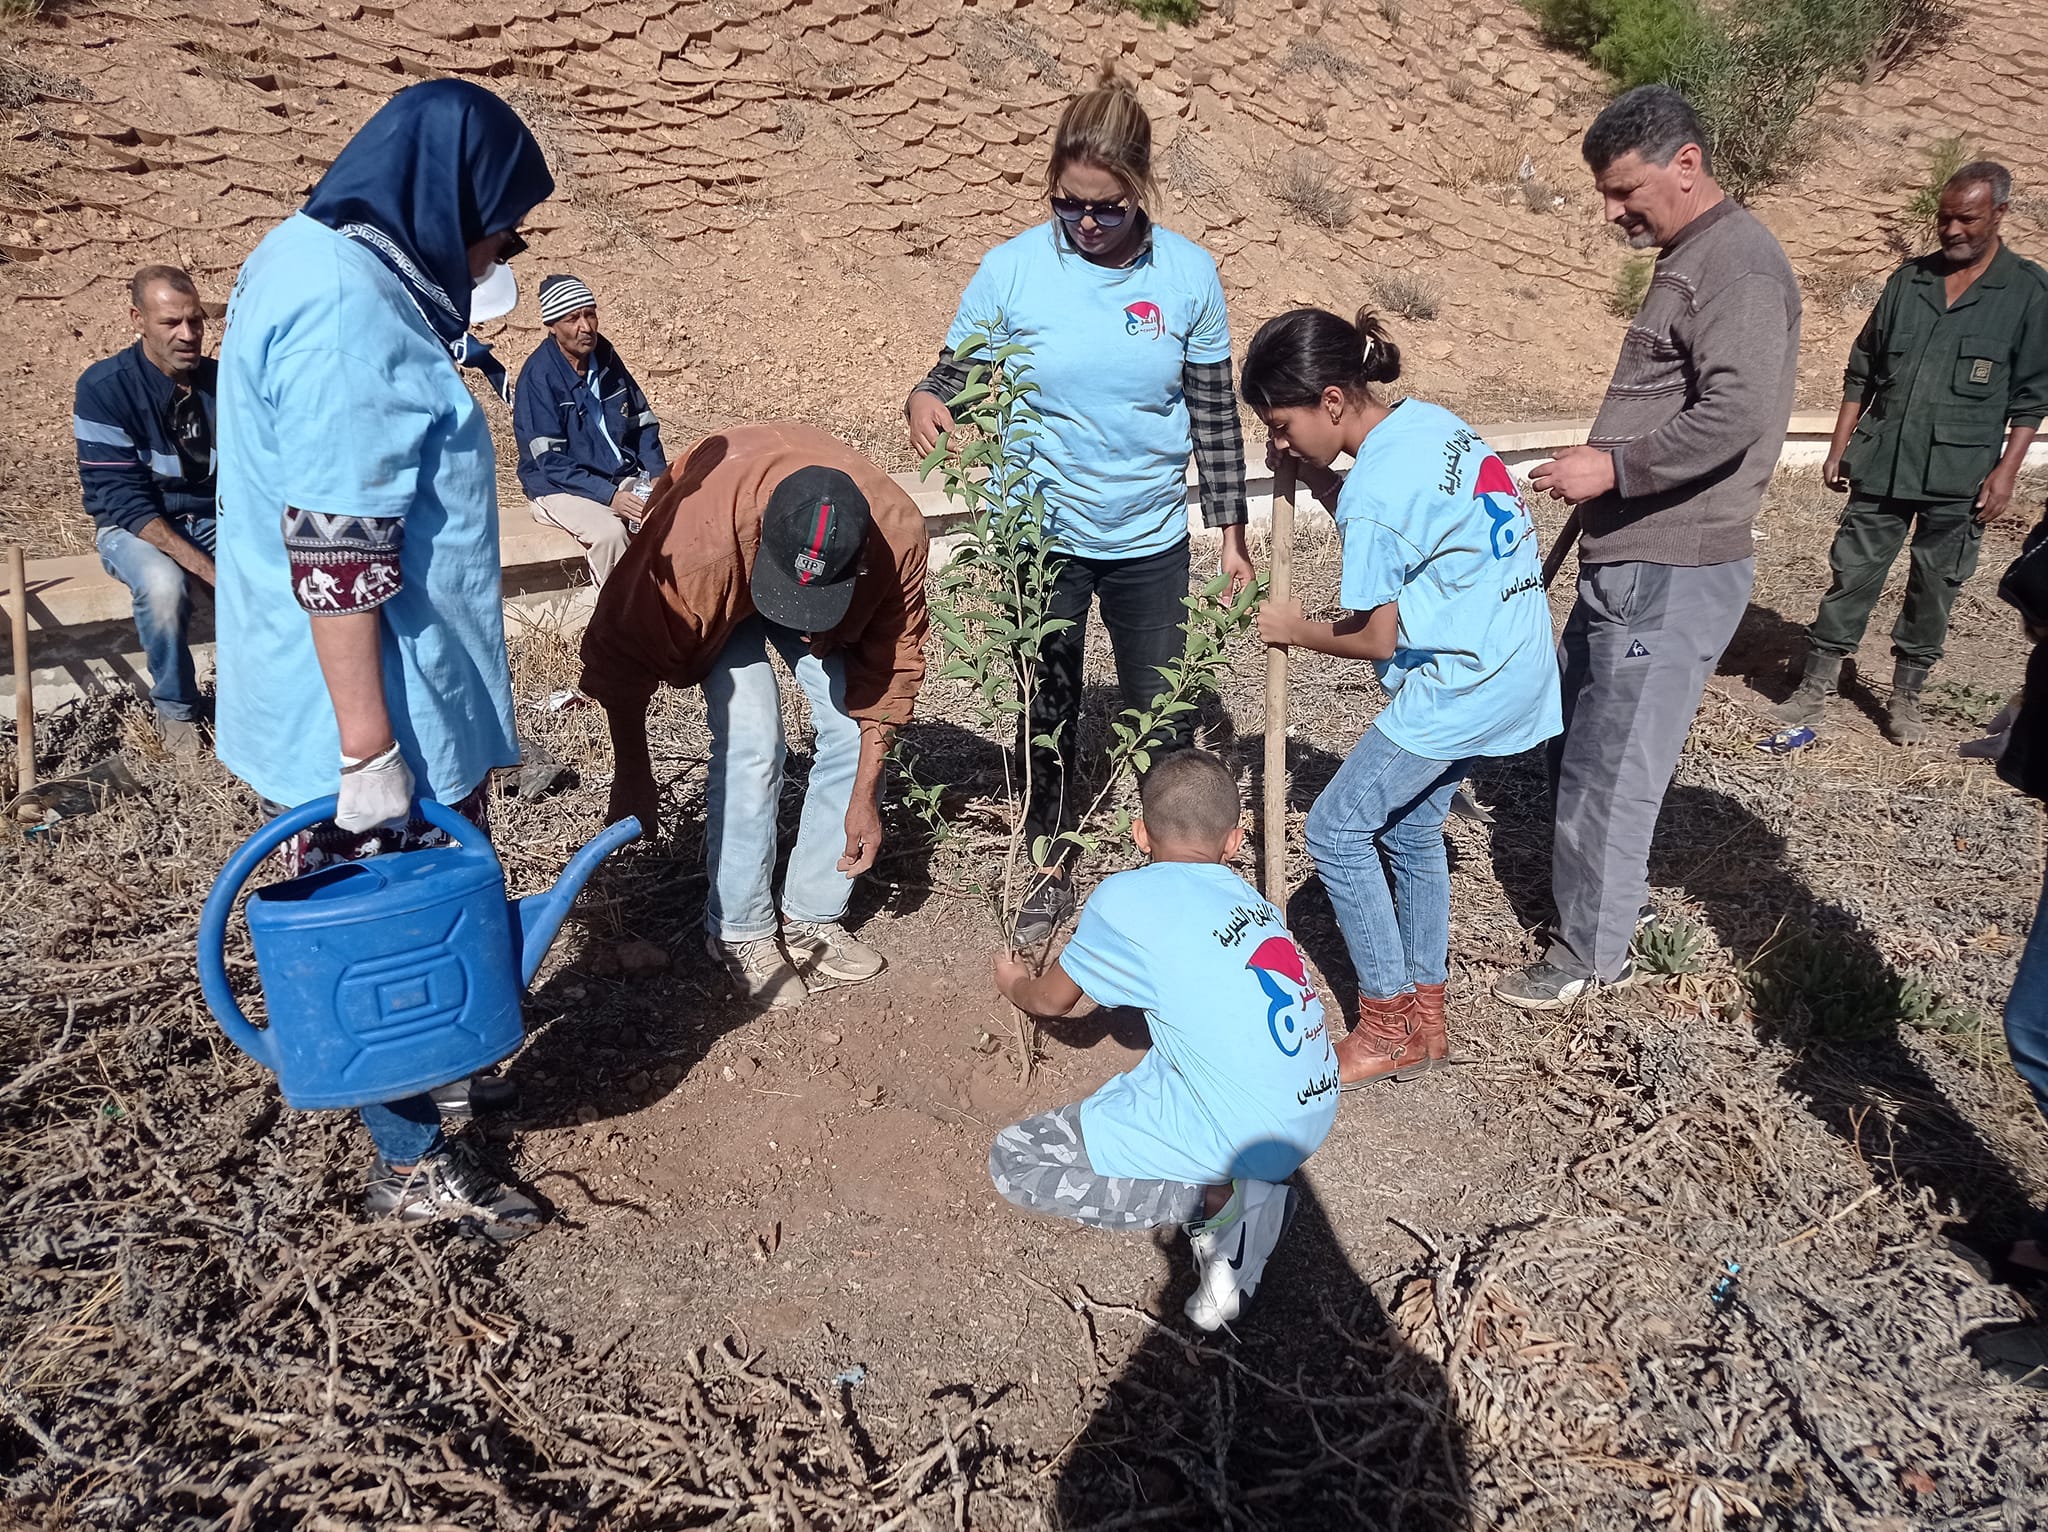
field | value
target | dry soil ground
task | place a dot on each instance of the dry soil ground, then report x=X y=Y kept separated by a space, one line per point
x=1673 y=1259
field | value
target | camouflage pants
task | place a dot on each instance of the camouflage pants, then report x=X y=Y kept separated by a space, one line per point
x=1041 y=1165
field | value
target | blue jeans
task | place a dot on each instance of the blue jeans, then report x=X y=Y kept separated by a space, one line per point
x=162 y=596
x=404 y=1131
x=744 y=786
x=1383 y=797
x=2026 y=1024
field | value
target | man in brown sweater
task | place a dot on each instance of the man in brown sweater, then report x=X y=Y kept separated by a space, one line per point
x=1666 y=492
x=767 y=536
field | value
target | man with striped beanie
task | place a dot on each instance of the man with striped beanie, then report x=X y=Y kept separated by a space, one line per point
x=589 y=445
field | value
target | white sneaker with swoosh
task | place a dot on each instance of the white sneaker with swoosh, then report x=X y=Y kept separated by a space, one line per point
x=1232 y=1248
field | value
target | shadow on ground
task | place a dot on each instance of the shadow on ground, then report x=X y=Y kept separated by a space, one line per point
x=1817 y=983
x=1315 y=1414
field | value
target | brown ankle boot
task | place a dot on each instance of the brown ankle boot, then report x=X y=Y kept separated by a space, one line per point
x=1429 y=1011
x=1386 y=1044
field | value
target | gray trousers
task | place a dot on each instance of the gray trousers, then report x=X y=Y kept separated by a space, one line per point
x=1042 y=1165
x=1636 y=653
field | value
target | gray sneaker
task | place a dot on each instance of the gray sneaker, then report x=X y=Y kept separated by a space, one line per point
x=452 y=1183
x=825 y=949
x=1546 y=987
x=759 y=971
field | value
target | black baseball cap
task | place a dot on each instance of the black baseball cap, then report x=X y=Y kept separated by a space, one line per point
x=812 y=532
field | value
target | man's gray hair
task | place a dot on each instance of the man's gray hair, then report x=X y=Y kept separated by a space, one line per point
x=1654 y=121
x=176 y=278
x=1984 y=173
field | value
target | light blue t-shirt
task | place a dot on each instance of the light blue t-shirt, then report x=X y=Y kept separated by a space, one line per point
x=337 y=397
x=1432 y=519
x=1242 y=1076
x=1107 y=349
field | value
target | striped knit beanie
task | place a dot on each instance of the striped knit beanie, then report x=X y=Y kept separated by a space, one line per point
x=563 y=295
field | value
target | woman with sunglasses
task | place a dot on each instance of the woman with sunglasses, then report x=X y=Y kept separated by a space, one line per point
x=1130 y=348
x=361 y=626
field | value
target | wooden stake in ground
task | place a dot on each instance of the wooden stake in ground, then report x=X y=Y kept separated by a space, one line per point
x=1273 y=824
x=24 y=685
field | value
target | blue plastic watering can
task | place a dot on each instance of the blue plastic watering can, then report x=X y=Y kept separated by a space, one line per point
x=388 y=976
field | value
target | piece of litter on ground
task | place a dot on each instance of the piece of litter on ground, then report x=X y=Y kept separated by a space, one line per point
x=1785 y=741
x=1465 y=806
x=853 y=1377
x=564 y=701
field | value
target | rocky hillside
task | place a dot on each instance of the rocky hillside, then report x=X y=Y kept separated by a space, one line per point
x=778 y=203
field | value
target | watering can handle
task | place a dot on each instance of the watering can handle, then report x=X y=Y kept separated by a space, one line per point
x=213 y=924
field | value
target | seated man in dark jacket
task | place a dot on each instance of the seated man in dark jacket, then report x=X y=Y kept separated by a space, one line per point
x=144 y=420
x=586 y=434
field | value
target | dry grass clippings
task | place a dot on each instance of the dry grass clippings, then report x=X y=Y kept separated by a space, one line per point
x=1713 y=1293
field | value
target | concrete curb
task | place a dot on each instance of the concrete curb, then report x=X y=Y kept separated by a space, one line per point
x=83 y=638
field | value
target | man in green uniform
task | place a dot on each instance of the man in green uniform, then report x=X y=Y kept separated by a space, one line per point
x=1943 y=393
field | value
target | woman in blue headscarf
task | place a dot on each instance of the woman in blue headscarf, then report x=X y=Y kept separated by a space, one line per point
x=361 y=636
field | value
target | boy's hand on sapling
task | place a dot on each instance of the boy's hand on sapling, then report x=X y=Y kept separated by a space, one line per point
x=1011 y=973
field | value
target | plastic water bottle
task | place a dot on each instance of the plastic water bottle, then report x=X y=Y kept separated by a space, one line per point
x=1785 y=741
x=642 y=487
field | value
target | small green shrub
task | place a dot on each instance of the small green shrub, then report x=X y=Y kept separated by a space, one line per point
x=1944 y=157
x=1833 y=986
x=1631 y=286
x=1186 y=12
x=1751 y=68
x=1670 y=946
x=1974 y=706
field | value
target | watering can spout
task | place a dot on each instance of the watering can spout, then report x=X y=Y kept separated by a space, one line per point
x=538 y=917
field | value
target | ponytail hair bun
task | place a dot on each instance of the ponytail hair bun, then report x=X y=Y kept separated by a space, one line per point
x=1379 y=359
x=1295 y=357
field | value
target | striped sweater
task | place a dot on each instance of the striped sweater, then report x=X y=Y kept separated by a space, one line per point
x=130 y=422
x=1701 y=395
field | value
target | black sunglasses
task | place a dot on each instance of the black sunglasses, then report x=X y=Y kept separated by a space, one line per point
x=515 y=244
x=1107 y=215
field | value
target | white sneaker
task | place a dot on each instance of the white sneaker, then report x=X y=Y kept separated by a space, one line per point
x=1231 y=1250
x=759 y=972
x=825 y=949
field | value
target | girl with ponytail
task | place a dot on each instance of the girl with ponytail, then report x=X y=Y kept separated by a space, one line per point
x=1130 y=348
x=1444 y=594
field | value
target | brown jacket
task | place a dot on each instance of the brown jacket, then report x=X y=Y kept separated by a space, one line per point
x=667 y=610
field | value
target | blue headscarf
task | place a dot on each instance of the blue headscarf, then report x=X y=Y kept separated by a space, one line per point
x=440 y=166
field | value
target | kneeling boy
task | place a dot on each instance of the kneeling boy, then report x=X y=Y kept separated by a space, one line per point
x=1241 y=1084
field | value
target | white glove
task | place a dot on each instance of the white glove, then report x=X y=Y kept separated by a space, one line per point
x=375 y=793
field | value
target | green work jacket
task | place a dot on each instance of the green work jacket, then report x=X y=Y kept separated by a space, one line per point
x=1940 y=384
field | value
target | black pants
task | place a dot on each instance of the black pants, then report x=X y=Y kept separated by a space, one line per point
x=1142 y=608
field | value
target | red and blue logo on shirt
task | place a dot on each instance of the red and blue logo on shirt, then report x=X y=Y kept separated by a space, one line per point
x=1295 y=1012
x=1502 y=502
x=1144 y=318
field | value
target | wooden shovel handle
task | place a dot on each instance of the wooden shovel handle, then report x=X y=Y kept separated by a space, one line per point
x=1280 y=586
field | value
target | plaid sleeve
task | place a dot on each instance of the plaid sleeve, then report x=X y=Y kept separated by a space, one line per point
x=1219 y=442
x=946 y=378
x=343 y=564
